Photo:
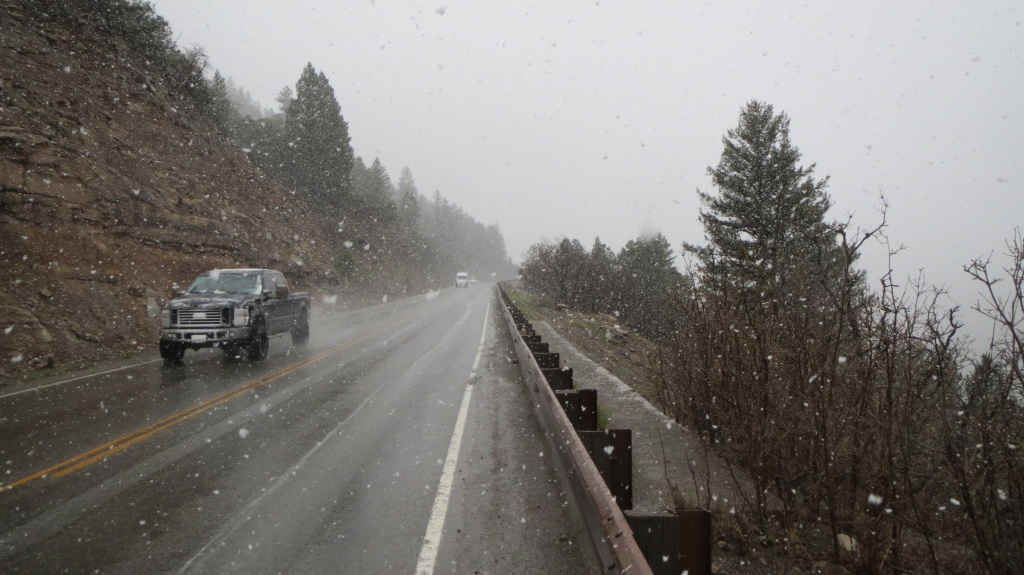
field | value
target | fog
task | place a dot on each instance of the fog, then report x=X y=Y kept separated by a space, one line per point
x=600 y=118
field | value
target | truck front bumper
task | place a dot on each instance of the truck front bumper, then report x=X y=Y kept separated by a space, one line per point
x=205 y=337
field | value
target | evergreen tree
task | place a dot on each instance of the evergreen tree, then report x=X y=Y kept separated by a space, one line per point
x=284 y=99
x=319 y=156
x=220 y=109
x=376 y=196
x=647 y=278
x=603 y=277
x=408 y=200
x=766 y=228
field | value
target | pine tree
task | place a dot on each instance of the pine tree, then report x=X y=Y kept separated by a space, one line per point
x=376 y=196
x=647 y=278
x=284 y=99
x=408 y=200
x=766 y=228
x=603 y=278
x=319 y=155
x=221 y=111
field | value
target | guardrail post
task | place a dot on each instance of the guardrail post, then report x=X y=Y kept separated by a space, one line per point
x=546 y=360
x=658 y=539
x=674 y=543
x=539 y=347
x=612 y=453
x=588 y=410
x=620 y=477
x=569 y=399
x=559 y=378
x=695 y=541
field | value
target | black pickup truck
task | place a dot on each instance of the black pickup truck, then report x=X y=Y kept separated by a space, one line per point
x=238 y=310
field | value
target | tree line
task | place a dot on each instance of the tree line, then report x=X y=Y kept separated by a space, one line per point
x=634 y=284
x=385 y=235
x=861 y=409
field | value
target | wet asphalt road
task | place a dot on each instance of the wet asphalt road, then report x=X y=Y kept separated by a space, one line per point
x=322 y=459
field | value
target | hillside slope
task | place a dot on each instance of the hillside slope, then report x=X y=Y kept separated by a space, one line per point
x=113 y=187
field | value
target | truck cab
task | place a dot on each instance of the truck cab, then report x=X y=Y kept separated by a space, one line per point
x=461 y=279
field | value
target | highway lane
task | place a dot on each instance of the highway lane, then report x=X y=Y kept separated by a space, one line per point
x=323 y=459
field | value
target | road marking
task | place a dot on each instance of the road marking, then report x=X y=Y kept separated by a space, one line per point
x=63 y=381
x=111 y=447
x=435 y=527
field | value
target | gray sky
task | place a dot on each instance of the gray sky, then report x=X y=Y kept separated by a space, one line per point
x=600 y=118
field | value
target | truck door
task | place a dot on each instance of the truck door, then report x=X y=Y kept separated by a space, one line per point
x=272 y=306
x=285 y=307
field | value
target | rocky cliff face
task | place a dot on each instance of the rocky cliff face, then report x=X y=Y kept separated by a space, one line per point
x=113 y=188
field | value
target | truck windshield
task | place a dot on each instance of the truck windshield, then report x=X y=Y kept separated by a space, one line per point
x=227 y=282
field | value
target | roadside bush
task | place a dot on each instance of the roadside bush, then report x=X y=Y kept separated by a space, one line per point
x=865 y=411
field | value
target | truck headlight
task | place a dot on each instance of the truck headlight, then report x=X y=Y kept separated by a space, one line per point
x=241 y=317
x=165 y=318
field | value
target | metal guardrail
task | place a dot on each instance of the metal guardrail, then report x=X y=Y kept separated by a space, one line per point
x=610 y=533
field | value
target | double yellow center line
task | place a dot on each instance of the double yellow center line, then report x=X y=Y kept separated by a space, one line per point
x=125 y=441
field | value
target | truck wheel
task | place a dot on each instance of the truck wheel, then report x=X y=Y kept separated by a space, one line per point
x=231 y=353
x=171 y=352
x=300 y=332
x=259 y=347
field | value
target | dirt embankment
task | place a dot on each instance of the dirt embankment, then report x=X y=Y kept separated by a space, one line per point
x=113 y=188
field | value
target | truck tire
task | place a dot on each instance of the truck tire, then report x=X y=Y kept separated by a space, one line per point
x=300 y=331
x=259 y=347
x=232 y=353
x=171 y=352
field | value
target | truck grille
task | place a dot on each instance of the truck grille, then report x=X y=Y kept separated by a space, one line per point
x=201 y=317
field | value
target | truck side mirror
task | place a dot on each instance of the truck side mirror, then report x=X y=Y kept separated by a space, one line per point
x=282 y=292
x=177 y=292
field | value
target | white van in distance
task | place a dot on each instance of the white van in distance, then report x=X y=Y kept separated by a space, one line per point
x=462 y=280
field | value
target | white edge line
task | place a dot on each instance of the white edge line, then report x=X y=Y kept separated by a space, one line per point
x=435 y=527
x=62 y=382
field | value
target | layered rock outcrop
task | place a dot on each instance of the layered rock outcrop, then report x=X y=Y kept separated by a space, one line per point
x=112 y=189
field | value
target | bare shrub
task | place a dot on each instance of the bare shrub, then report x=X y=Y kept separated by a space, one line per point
x=864 y=410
